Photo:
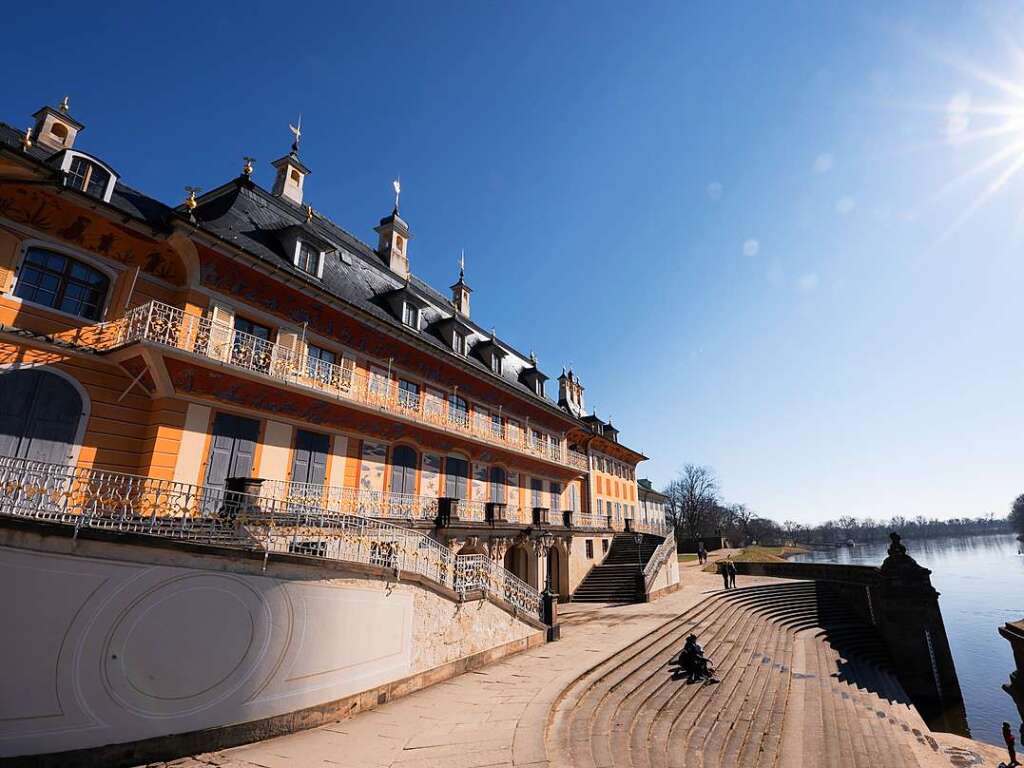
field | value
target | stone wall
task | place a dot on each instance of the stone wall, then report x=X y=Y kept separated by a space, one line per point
x=111 y=642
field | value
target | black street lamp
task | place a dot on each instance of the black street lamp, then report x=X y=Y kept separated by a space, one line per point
x=547 y=541
x=638 y=538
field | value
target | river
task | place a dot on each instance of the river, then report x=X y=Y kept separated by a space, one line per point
x=981 y=582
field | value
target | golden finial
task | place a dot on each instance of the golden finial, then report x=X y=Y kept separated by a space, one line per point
x=65 y=104
x=190 y=200
x=309 y=214
x=26 y=140
x=247 y=168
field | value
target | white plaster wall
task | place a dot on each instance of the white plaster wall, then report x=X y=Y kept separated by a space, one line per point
x=99 y=650
x=667 y=575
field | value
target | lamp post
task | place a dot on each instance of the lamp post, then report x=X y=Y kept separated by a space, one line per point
x=638 y=538
x=547 y=541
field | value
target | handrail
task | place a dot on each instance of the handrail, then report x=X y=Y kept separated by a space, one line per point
x=117 y=501
x=660 y=556
x=170 y=326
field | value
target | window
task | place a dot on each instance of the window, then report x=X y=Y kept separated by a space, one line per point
x=320 y=363
x=307 y=259
x=458 y=343
x=604 y=545
x=378 y=381
x=496 y=361
x=556 y=496
x=60 y=282
x=59 y=131
x=87 y=177
x=399 y=243
x=498 y=482
x=496 y=425
x=536 y=489
x=434 y=403
x=538 y=387
x=590 y=548
x=410 y=315
x=408 y=394
x=537 y=440
x=251 y=347
x=600 y=506
x=458 y=410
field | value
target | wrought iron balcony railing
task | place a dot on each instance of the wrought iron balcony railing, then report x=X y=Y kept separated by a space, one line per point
x=114 y=501
x=163 y=324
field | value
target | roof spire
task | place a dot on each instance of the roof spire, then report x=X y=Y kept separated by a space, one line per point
x=397 y=185
x=462 y=264
x=297 y=133
x=65 y=104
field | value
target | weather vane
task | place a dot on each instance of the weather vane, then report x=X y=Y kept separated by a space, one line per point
x=247 y=168
x=462 y=264
x=190 y=201
x=297 y=132
x=397 y=184
x=65 y=105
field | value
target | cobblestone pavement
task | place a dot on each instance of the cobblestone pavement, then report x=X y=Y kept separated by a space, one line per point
x=494 y=716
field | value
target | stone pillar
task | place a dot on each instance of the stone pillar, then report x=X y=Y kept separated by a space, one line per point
x=550 y=600
x=909 y=619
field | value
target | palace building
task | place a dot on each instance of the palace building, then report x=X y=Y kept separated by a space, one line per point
x=243 y=340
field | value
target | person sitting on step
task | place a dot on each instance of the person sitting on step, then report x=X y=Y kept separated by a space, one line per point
x=694 y=664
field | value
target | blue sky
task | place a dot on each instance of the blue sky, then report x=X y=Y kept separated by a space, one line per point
x=739 y=222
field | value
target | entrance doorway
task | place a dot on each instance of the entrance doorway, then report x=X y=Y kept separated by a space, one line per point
x=40 y=414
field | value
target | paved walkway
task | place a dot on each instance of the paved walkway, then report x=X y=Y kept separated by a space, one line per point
x=495 y=716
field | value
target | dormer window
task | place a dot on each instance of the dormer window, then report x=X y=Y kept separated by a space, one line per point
x=309 y=259
x=496 y=364
x=538 y=387
x=410 y=315
x=459 y=343
x=86 y=174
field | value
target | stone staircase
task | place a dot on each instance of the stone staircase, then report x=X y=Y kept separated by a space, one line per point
x=803 y=683
x=619 y=577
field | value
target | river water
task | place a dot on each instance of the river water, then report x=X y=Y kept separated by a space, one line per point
x=981 y=582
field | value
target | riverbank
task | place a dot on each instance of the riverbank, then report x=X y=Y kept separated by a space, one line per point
x=754 y=554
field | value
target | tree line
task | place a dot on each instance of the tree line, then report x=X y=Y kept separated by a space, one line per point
x=695 y=508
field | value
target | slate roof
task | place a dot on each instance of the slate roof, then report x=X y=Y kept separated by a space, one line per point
x=125 y=198
x=247 y=215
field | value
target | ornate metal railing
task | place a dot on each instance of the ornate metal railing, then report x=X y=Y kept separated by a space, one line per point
x=96 y=499
x=666 y=549
x=352 y=501
x=480 y=572
x=163 y=324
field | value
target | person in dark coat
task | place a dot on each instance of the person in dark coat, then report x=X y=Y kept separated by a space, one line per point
x=702 y=554
x=723 y=568
x=732 y=575
x=1010 y=747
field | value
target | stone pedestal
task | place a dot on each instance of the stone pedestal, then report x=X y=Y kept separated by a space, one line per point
x=550 y=617
x=906 y=608
x=1013 y=631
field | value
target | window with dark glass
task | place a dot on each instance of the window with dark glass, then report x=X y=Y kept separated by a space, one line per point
x=556 y=496
x=410 y=315
x=458 y=409
x=498 y=480
x=308 y=259
x=458 y=343
x=251 y=347
x=496 y=364
x=320 y=362
x=496 y=425
x=408 y=394
x=590 y=548
x=88 y=177
x=63 y=283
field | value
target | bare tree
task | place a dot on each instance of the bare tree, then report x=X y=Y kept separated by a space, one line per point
x=691 y=498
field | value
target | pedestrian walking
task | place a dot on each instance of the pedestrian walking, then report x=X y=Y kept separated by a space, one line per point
x=723 y=568
x=732 y=575
x=1010 y=748
x=702 y=554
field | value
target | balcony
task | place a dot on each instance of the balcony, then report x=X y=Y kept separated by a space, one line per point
x=132 y=504
x=203 y=337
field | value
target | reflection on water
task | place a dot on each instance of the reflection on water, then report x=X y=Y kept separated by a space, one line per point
x=981 y=582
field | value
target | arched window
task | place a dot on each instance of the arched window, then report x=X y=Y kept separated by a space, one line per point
x=498 y=480
x=58 y=281
x=403 y=470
